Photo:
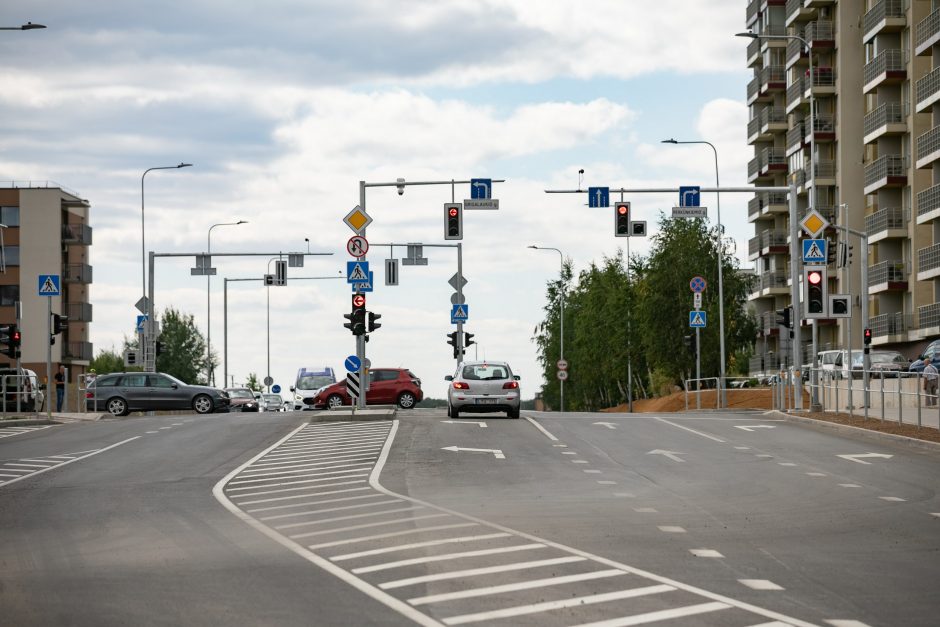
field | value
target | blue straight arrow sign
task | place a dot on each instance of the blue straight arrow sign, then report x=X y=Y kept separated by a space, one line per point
x=598 y=196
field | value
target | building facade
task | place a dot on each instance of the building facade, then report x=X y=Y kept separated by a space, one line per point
x=845 y=103
x=46 y=232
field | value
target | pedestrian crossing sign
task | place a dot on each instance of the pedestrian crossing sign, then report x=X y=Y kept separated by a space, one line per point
x=814 y=250
x=357 y=272
x=459 y=313
x=49 y=285
x=698 y=319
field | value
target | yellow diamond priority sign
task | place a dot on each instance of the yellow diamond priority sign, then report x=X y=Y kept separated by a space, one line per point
x=357 y=220
x=813 y=223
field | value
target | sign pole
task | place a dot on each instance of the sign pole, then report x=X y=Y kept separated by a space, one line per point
x=795 y=299
x=460 y=344
x=698 y=367
x=49 y=383
x=361 y=339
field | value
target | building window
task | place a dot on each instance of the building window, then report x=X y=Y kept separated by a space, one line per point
x=10 y=216
x=9 y=294
x=11 y=255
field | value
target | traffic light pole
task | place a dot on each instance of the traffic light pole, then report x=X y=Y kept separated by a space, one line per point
x=50 y=385
x=863 y=290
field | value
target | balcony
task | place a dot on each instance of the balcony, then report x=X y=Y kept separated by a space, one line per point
x=795 y=139
x=928 y=148
x=753 y=52
x=796 y=95
x=823 y=83
x=76 y=233
x=769 y=162
x=928 y=319
x=79 y=351
x=815 y=4
x=884 y=17
x=773 y=78
x=885 y=69
x=888 y=119
x=828 y=212
x=772 y=283
x=773 y=36
x=769 y=242
x=767 y=204
x=796 y=53
x=78 y=312
x=886 y=171
x=825 y=174
x=889 y=325
x=77 y=273
x=820 y=35
x=885 y=224
x=927 y=90
x=887 y=276
x=928 y=205
x=773 y=120
x=824 y=129
x=927 y=33
x=753 y=130
x=928 y=263
x=750 y=15
x=796 y=12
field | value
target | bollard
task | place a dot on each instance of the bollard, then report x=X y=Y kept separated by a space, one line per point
x=882 y=395
x=900 y=402
x=917 y=385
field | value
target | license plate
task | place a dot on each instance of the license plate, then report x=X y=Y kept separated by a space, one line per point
x=486 y=401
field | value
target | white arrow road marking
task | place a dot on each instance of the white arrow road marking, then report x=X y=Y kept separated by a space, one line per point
x=752 y=427
x=670 y=454
x=465 y=422
x=857 y=457
x=609 y=425
x=498 y=454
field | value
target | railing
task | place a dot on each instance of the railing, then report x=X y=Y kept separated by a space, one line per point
x=76 y=233
x=753 y=88
x=753 y=48
x=928 y=85
x=795 y=51
x=928 y=200
x=882 y=10
x=753 y=207
x=751 y=12
x=888 y=324
x=771 y=156
x=824 y=124
x=767 y=321
x=928 y=258
x=886 y=61
x=795 y=136
x=753 y=167
x=773 y=278
x=825 y=169
x=38 y=185
x=928 y=316
x=883 y=167
x=928 y=143
x=793 y=6
x=77 y=273
x=888 y=113
x=753 y=127
x=773 y=30
x=78 y=312
x=773 y=115
x=884 y=219
x=823 y=76
x=773 y=74
x=828 y=212
x=820 y=30
x=887 y=272
x=795 y=91
x=927 y=28
x=83 y=351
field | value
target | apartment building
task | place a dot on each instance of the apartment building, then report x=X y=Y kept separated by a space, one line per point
x=46 y=232
x=851 y=118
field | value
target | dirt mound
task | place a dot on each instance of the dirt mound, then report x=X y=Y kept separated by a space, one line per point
x=758 y=398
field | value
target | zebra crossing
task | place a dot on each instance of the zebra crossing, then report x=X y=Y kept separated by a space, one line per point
x=17 y=469
x=317 y=493
x=9 y=432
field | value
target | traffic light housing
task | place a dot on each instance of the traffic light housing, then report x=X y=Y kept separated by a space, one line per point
x=158 y=347
x=815 y=292
x=454 y=340
x=373 y=325
x=357 y=317
x=621 y=219
x=10 y=339
x=453 y=220
x=467 y=340
x=689 y=343
x=784 y=317
x=867 y=336
x=59 y=323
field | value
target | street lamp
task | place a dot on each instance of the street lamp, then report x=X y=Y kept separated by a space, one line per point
x=561 y=351
x=26 y=26
x=721 y=285
x=209 y=301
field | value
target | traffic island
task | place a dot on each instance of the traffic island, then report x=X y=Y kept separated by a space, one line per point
x=375 y=412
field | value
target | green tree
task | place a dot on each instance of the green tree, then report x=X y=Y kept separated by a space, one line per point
x=108 y=361
x=184 y=348
x=253 y=384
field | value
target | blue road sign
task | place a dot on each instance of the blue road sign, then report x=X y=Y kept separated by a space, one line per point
x=276 y=389
x=140 y=323
x=353 y=364
x=689 y=196
x=364 y=286
x=49 y=285
x=459 y=313
x=814 y=250
x=698 y=319
x=481 y=188
x=357 y=271
x=598 y=196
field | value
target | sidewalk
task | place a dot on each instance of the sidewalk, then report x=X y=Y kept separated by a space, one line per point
x=43 y=419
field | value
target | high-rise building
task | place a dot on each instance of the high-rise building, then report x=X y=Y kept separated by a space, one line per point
x=842 y=103
x=46 y=233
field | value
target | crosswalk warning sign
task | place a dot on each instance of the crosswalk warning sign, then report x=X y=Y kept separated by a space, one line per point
x=48 y=284
x=357 y=272
x=697 y=319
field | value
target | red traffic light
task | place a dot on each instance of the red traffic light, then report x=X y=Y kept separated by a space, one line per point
x=622 y=210
x=814 y=277
x=452 y=212
x=359 y=300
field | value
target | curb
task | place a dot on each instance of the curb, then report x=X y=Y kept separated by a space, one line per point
x=823 y=425
x=358 y=415
x=26 y=422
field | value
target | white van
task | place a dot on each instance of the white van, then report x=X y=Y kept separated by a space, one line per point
x=309 y=380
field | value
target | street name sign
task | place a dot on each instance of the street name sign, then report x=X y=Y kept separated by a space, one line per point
x=690 y=212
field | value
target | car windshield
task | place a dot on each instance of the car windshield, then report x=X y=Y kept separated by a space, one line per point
x=314 y=382
x=274 y=398
x=885 y=358
x=241 y=393
x=484 y=372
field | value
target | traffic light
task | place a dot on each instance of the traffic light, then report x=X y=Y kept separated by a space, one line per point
x=815 y=291
x=467 y=340
x=59 y=323
x=784 y=317
x=453 y=220
x=373 y=325
x=357 y=317
x=10 y=339
x=867 y=337
x=158 y=347
x=621 y=219
x=454 y=340
x=689 y=343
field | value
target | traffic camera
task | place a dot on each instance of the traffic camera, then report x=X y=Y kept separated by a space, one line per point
x=621 y=219
x=815 y=291
x=453 y=220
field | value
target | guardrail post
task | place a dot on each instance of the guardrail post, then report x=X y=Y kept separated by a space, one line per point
x=3 y=412
x=882 y=395
x=900 y=402
x=917 y=385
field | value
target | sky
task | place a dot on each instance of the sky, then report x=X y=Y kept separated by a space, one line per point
x=283 y=106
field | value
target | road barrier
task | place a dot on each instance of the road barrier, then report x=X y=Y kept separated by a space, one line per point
x=19 y=391
x=698 y=391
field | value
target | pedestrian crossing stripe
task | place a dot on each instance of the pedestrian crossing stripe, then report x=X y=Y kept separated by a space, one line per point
x=49 y=285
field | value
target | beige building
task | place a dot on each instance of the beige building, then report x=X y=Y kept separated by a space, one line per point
x=874 y=143
x=46 y=232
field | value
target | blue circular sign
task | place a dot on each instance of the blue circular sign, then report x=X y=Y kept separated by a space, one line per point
x=353 y=364
x=276 y=389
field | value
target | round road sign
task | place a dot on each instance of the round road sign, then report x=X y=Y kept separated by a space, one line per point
x=276 y=389
x=359 y=300
x=562 y=375
x=357 y=246
x=562 y=364
x=352 y=363
x=268 y=380
x=697 y=284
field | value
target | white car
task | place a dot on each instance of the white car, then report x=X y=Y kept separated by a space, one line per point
x=483 y=386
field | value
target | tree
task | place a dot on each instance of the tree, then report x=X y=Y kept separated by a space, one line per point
x=184 y=348
x=253 y=384
x=107 y=361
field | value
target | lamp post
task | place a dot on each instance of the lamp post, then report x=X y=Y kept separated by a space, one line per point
x=721 y=284
x=561 y=300
x=26 y=26
x=209 y=301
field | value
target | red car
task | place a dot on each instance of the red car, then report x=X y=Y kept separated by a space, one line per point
x=386 y=386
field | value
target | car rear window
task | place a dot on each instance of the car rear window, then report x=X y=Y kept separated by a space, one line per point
x=485 y=372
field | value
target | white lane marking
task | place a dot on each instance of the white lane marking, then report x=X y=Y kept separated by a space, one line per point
x=775 y=623
x=336 y=439
x=763 y=455
x=705 y=553
x=752 y=427
x=893 y=499
x=593 y=472
x=607 y=482
x=542 y=429
x=497 y=453
x=311 y=503
x=653 y=617
x=546 y=606
x=609 y=425
x=177 y=424
x=515 y=587
x=559 y=445
x=419 y=545
x=786 y=464
x=326 y=446
x=282 y=474
x=671 y=529
x=399 y=606
x=310 y=495
x=760 y=584
x=704 y=435
x=394 y=534
x=742 y=448
x=9 y=432
x=846 y=623
x=816 y=474
x=300 y=482
x=329 y=448
x=90 y=454
x=43 y=461
x=447 y=556
x=849 y=485
x=8 y=476
x=568 y=453
x=26 y=465
x=479 y=423
x=579 y=461
x=281 y=491
x=299 y=465
x=487 y=570
x=316 y=470
x=673 y=455
x=644 y=510
x=165 y=428
x=320 y=521
x=857 y=457
x=321 y=457
x=151 y=432
x=400 y=521
x=22 y=470
x=341 y=508
x=626 y=495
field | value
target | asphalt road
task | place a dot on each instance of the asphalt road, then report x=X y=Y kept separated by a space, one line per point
x=692 y=519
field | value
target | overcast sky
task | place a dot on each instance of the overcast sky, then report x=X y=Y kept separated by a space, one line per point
x=283 y=106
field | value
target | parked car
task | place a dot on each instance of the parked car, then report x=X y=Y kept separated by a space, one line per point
x=31 y=396
x=242 y=399
x=310 y=381
x=120 y=393
x=271 y=402
x=483 y=386
x=932 y=352
x=890 y=363
x=387 y=386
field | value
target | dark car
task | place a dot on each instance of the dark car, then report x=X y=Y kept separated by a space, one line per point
x=120 y=393
x=242 y=399
x=932 y=352
x=387 y=386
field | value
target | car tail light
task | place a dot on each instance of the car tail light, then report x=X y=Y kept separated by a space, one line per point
x=460 y=385
x=512 y=385
x=89 y=395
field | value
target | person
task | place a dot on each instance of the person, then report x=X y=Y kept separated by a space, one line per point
x=59 y=387
x=930 y=382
